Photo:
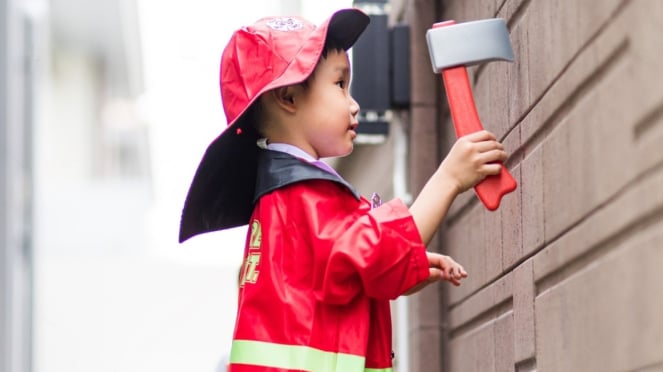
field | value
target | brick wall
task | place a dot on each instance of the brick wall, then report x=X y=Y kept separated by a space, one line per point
x=568 y=274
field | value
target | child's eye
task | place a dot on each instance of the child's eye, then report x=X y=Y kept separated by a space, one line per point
x=341 y=84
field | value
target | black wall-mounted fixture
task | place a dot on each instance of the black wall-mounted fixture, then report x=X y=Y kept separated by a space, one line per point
x=381 y=69
x=400 y=66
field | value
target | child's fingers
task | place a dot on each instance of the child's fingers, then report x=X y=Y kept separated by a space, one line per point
x=491 y=169
x=451 y=277
x=485 y=146
x=455 y=274
x=493 y=156
x=452 y=273
x=453 y=280
x=482 y=135
x=447 y=274
x=445 y=268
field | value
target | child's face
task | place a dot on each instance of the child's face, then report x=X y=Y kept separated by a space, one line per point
x=328 y=112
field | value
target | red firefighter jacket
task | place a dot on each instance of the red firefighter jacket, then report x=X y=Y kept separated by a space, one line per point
x=319 y=270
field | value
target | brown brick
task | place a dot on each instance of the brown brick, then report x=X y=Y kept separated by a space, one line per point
x=518 y=71
x=504 y=345
x=425 y=83
x=531 y=187
x=523 y=312
x=423 y=147
x=511 y=212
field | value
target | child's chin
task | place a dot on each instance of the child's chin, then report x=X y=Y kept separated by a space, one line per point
x=348 y=151
x=340 y=153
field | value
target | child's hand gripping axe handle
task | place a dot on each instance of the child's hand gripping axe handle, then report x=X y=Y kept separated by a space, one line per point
x=452 y=47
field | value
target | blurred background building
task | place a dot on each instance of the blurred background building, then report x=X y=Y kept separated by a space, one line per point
x=19 y=77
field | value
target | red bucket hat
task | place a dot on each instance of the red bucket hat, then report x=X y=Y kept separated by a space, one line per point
x=271 y=53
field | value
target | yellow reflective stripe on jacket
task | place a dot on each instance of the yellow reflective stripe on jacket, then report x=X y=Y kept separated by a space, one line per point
x=296 y=357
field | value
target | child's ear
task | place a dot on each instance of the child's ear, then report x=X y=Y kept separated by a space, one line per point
x=284 y=98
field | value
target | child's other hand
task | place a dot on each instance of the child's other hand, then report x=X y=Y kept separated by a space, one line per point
x=445 y=268
x=441 y=267
x=472 y=158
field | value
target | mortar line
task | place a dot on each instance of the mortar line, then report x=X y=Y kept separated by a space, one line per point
x=648 y=122
x=526 y=365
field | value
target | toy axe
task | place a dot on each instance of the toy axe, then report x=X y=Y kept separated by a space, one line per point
x=453 y=46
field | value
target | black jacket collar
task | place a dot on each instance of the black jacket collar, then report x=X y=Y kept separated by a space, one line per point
x=278 y=169
x=227 y=185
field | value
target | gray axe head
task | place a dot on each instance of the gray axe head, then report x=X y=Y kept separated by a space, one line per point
x=469 y=43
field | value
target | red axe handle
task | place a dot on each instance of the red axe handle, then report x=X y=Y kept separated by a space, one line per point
x=466 y=120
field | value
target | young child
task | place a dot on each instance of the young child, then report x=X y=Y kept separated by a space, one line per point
x=321 y=263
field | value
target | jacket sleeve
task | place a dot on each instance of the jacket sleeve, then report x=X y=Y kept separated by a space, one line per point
x=358 y=249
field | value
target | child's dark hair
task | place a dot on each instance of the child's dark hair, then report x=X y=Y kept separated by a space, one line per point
x=331 y=44
x=254 y=117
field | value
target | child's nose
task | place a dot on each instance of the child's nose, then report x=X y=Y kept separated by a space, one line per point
x=354 y=106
